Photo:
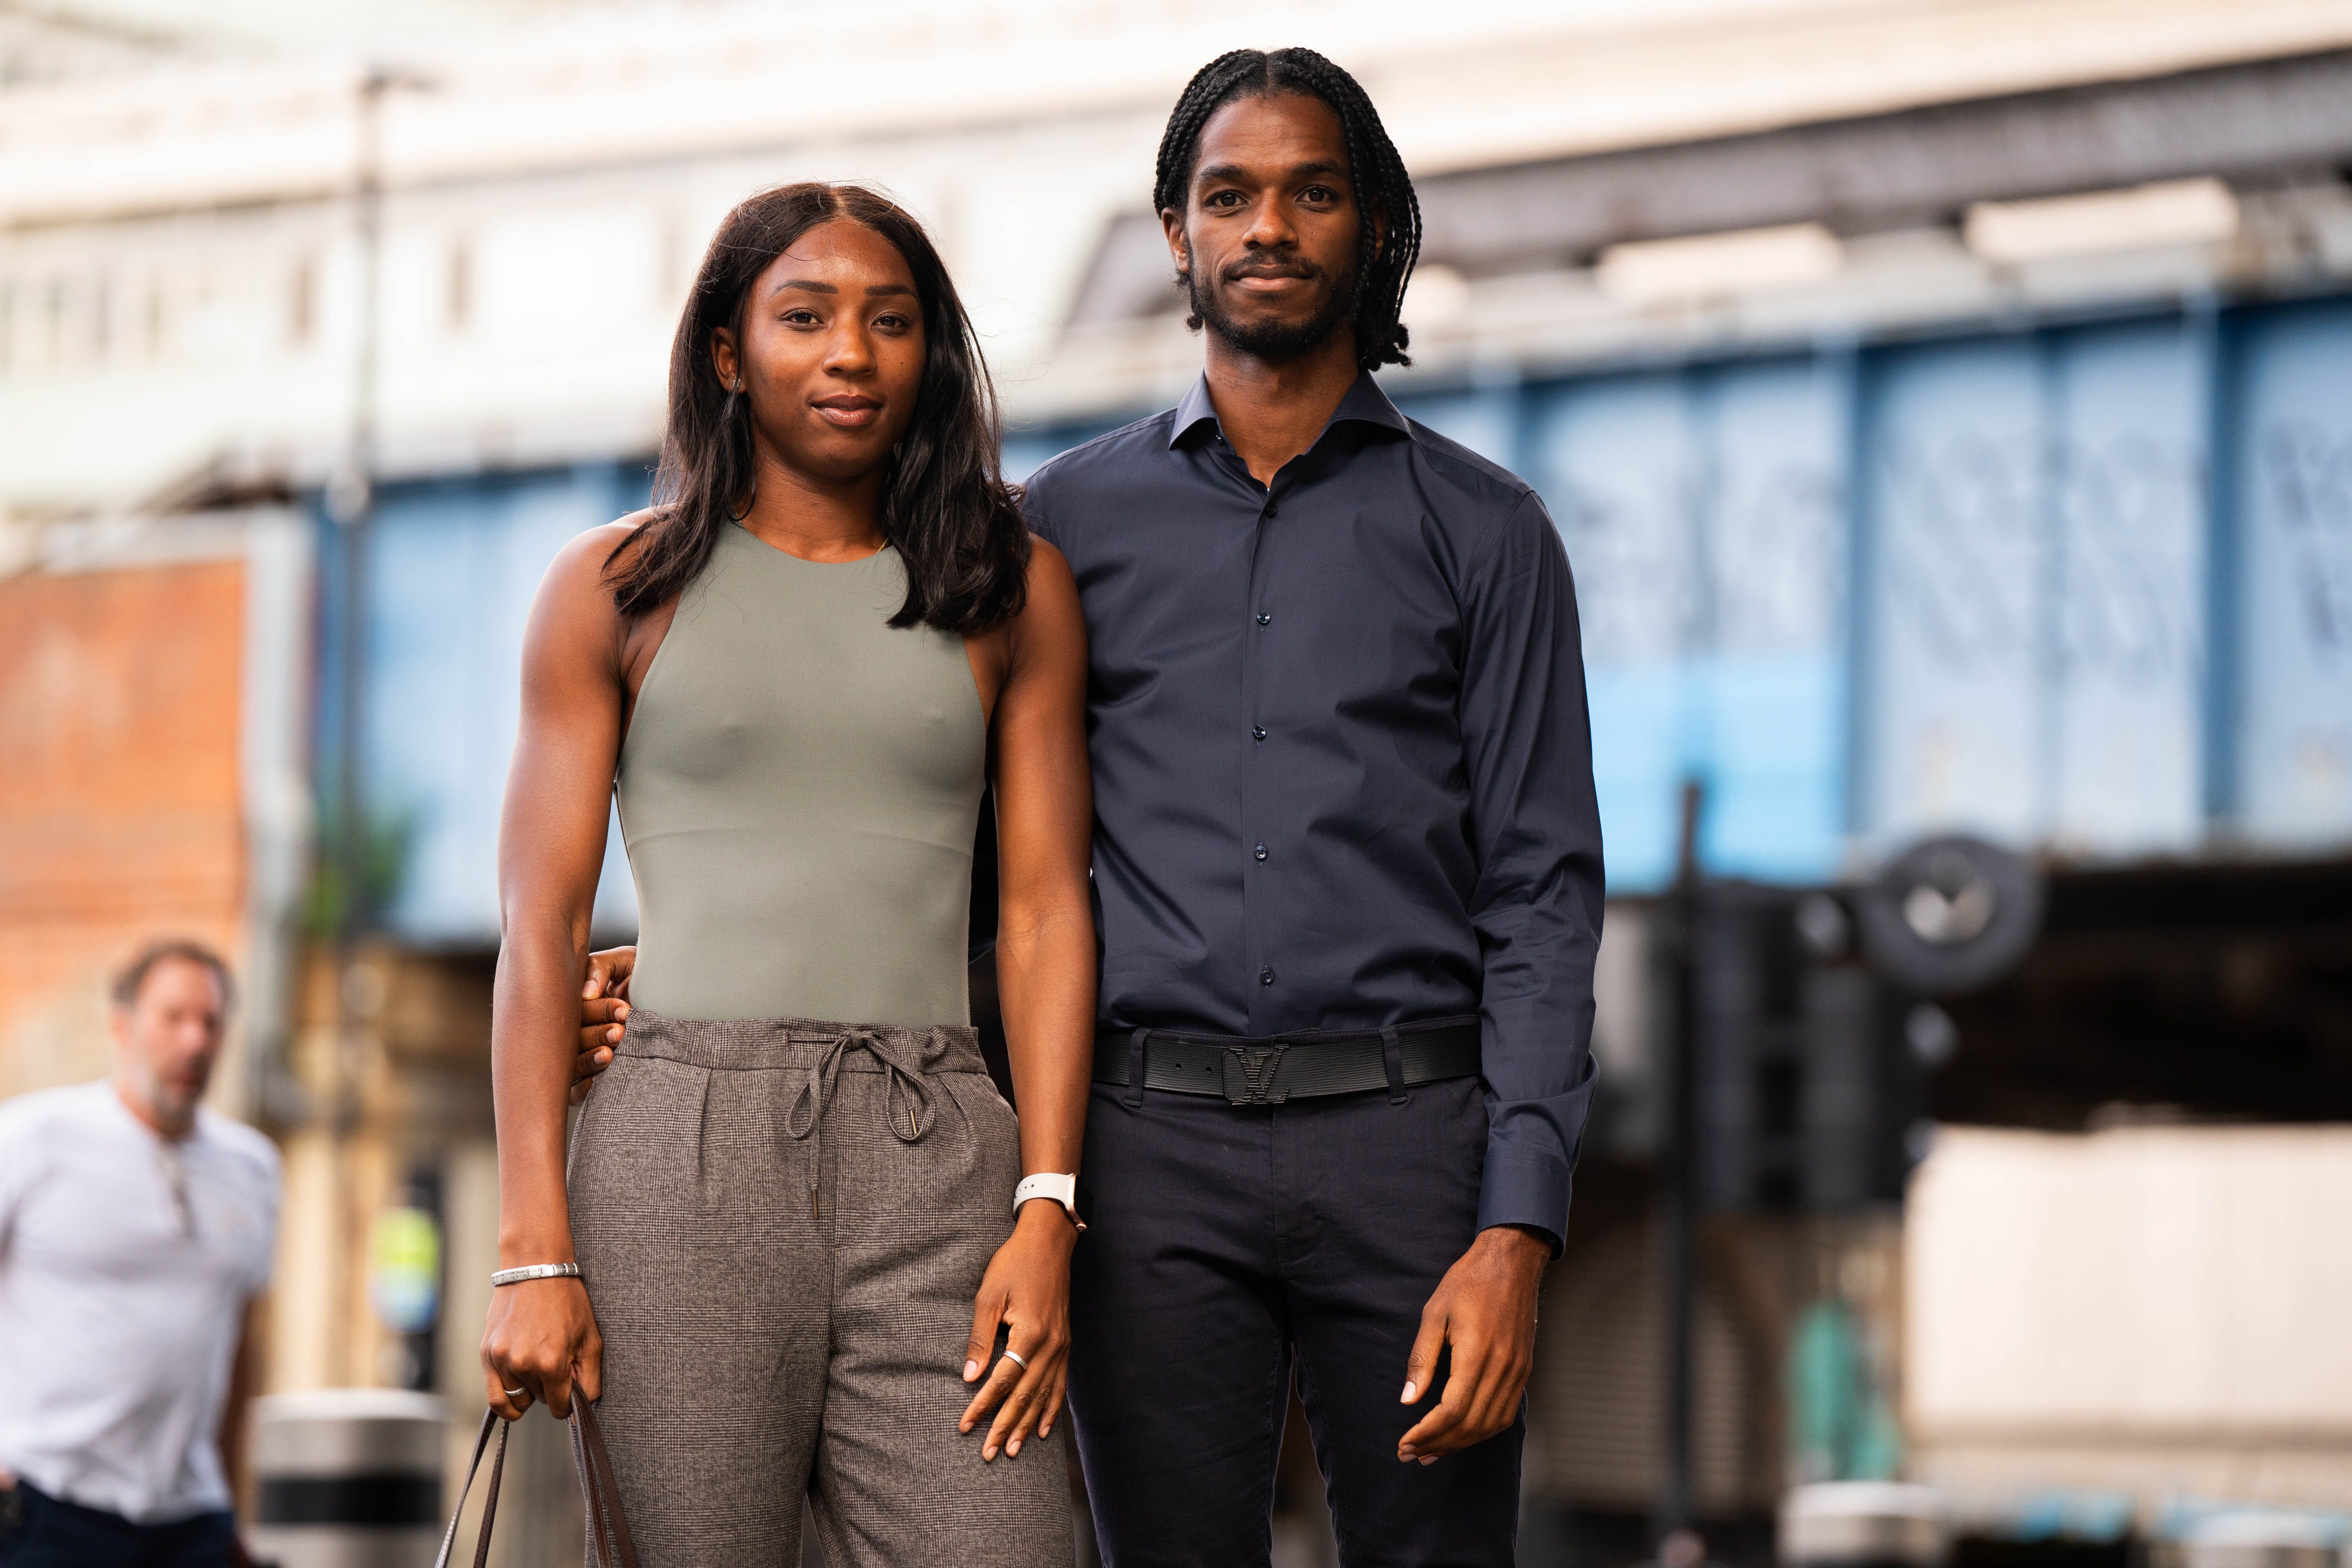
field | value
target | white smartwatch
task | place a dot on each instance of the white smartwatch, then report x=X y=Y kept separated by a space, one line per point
x=1062 y=1189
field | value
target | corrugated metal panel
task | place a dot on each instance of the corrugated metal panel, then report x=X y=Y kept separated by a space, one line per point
x=1704 y=515
x=2129 y=465
x=1615 y=460
x=2294 y=507
x=2036 y=505
x=1768 y=666
x=1954 y=505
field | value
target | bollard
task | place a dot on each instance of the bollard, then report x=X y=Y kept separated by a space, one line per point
x=1862 y=1524
x=2260 y=1539
x=349 y=1477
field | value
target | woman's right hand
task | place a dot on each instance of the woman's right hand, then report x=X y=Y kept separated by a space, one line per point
x=541 y=1339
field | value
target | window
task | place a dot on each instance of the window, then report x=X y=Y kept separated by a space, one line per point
x=303 y=300
x=458 y=287
x=100 y=337
x=53 y=325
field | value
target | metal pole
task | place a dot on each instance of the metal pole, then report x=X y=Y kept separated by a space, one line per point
x=1678 y=1182
x=350 y=501
x=354 y=503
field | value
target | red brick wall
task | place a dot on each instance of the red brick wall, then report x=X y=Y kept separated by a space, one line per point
x=120 y=809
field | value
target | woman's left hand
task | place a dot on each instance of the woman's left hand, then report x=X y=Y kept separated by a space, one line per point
x=1027 y=1290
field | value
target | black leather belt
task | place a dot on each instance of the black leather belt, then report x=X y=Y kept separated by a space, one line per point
x=1303 y=1066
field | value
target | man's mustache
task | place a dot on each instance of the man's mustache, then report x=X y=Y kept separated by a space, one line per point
x=1285 y=266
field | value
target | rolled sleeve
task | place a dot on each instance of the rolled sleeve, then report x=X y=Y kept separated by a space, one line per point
x=1536 y=829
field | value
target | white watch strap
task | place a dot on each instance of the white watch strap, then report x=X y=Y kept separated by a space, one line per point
x=1061 y=1187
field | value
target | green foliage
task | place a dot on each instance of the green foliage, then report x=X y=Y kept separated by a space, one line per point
x=384 y=866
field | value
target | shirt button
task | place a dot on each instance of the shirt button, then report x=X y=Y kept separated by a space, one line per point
x=1269 y=509
x=1263 y=619
x=1260 y=851
x=1257 y=732
x=1265 y=977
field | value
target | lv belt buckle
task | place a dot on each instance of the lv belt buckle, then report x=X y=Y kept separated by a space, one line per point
x=1250 y=1072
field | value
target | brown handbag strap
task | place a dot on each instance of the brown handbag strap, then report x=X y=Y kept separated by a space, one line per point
x=614 y=1547
x=608 y=1526
x=489 y=1498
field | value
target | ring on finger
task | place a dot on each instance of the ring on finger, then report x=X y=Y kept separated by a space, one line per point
x=1016 y=1358
x=514 y=1392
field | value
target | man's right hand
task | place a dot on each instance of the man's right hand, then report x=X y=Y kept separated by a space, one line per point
x=604 y=1008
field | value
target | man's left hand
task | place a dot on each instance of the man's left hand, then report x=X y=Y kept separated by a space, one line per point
x=603 y=1011
x=1484 y=1310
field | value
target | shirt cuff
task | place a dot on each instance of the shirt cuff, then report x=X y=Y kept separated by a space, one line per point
x=1526 y=1188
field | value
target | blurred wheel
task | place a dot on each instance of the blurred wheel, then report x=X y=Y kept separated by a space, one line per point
x=1949 y=915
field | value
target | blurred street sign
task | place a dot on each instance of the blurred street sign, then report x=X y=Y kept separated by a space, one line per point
x=405 y=1270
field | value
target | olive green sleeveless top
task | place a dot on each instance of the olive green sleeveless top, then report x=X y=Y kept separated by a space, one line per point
x=799 y=789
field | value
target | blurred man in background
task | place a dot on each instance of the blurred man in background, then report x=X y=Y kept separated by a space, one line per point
x=136 y=1228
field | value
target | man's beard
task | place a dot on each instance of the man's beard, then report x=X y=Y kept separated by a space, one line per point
x=1273 y=340
x=168 y=1100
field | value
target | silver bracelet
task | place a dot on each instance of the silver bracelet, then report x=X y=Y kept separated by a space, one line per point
x=535 y=1271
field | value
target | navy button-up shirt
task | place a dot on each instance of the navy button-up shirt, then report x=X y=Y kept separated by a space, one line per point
x=1342 y=770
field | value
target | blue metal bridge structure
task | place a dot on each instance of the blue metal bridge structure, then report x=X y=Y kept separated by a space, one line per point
x=2082 y=588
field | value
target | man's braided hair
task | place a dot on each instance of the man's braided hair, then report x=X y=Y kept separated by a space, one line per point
x=1390 y=238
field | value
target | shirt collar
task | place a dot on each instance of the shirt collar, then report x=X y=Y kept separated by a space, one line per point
x=1364 y=404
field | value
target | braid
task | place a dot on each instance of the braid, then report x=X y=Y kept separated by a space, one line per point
x=1222 y=78
x=1390 y=240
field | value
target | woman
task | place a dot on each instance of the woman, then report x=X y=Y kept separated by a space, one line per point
x=794 y=1187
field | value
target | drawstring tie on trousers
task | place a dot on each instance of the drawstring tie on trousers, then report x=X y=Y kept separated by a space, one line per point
x=904 y=1092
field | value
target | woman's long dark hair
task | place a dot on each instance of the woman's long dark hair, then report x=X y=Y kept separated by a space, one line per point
x=955 y=522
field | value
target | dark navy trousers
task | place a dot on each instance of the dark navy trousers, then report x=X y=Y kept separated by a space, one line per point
x=1226 y=1245
x=37 y=1530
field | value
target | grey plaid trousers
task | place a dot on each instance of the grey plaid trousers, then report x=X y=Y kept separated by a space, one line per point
x=781 y=1224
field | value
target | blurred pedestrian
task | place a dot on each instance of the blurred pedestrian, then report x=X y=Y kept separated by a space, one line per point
x=136 y=1228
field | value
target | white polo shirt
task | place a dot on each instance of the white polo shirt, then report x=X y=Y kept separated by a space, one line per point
x=126 y=1263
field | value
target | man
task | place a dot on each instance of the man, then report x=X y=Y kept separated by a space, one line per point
x=1347 y=871
x=136 y=1227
